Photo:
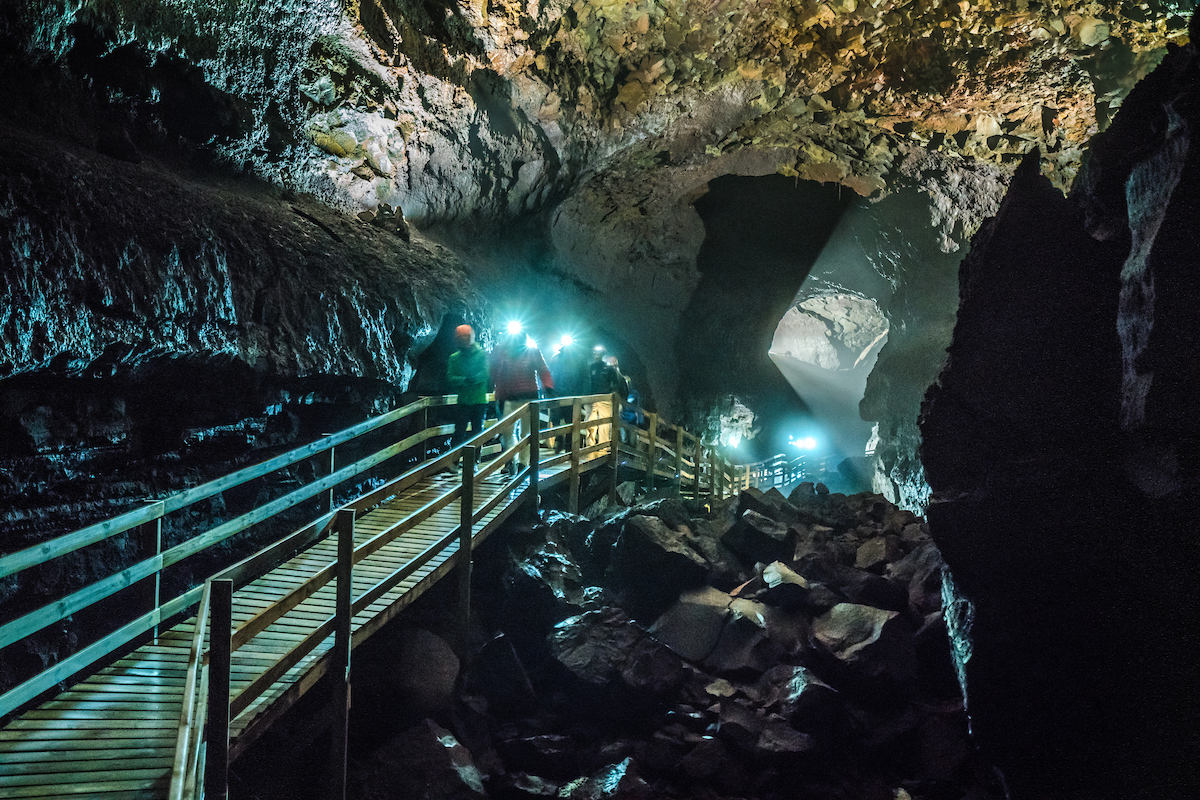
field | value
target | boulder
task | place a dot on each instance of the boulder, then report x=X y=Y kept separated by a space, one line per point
x=856 y=585
x=784 y=587
x=502 y=678
x=873 y=642
x=740 y=725
x=426 y=669
x=780 y=742
x=818 y=540
x=651 y=565
x=759 y=539
x=921 y=569
x=725 y=569
x=605 y=647
x=744 y=644
x=614 y=782
x=806 y=702
x=520 y=786
x=541 y=585
x=668 y=509
x=788 y=631
x=876 y=553
x=552 y=755
x=772 y=505
x=425 y=761
x=693 y=625
x=707 y=759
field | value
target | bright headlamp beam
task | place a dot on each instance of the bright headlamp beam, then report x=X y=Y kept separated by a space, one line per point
x=514 y=327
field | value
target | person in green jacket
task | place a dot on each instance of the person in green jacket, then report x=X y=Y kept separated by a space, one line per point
x=467 y=375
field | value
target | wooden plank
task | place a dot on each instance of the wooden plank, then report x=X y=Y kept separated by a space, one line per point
x=69 y=762
x=109 y=747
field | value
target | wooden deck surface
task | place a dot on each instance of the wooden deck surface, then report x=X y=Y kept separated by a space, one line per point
x=113 y=735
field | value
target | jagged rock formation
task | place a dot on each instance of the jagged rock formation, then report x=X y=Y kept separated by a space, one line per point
x=1058 y=443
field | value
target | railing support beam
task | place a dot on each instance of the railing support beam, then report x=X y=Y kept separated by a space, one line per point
x=614 y=448
x=535 y=450
x=652 y=453
x=149 y=545
x=340 y=667
x=466 y=521
x=216 y=757
x=573 y=488
x=679 y=458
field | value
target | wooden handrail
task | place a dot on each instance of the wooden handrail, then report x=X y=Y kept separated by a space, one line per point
x=188 y=738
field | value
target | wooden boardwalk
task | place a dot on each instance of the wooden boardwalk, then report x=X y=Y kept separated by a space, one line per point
x=135 y=727
x=114 y=734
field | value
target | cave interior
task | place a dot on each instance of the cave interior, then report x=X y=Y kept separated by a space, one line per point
x=950 y=251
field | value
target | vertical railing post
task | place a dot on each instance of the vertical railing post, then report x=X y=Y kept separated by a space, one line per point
x=149 y=545
x=466 y=522
x=614 y=448
x=535 y=449
x=340 y=666
x=216 y=758
x=712 y=474
x=573 y=488
x=422 y=426
x=652 y=453
x=696 y=469
x=679 y=458
x=330 y=468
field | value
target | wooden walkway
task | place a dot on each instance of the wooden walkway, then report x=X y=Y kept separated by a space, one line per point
x=126 y=729
x=113 y=735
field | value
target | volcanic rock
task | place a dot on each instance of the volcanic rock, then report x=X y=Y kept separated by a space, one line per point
x=651 y=565
x=759 y=539
x=614 y=782
x=694 y=624
x=876 y=553
x=424 y=761
x=872 y=641
x=606 y=647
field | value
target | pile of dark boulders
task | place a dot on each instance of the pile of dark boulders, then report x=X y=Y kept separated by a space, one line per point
x=771 y=647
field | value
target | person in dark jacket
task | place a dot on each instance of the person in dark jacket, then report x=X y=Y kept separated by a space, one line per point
x=467 y=376
x=517 y=369
x=570 y=369
x=605 y=379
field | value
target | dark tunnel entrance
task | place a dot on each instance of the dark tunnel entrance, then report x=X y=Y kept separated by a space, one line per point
x=762 y=237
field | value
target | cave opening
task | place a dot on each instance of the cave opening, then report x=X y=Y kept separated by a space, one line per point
x=762 y=237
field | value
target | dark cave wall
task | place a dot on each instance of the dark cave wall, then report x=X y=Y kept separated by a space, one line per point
x=1059 y=444
x=158 y=327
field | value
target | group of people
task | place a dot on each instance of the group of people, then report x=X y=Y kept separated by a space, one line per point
x=520 y=373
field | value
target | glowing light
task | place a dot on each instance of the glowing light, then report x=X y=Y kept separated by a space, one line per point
x=514 y=327
x=566 y=341
x=805 y=442
x=735 y=439
x=556 y=349
x=531 y=343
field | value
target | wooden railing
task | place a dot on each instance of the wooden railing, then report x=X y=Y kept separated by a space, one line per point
x=780 y=471
x=662 y=451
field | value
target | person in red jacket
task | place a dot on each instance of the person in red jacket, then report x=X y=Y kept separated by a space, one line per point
x=519 y=372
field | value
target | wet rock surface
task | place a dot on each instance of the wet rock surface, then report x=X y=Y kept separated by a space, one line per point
x=1054 y=442
x=751 y=693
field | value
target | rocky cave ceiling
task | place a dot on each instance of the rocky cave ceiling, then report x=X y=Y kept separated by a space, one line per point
x=559 y=147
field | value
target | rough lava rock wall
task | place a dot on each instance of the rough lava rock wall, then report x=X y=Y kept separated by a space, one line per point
x=144 y=309
x=1059 y=445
